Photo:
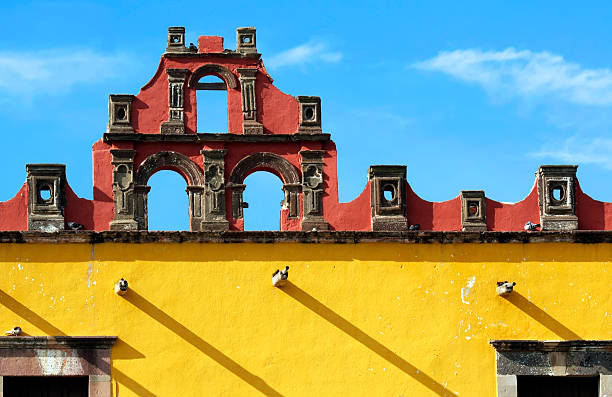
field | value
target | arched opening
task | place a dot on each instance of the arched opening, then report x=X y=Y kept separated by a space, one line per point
x=264 y=195
x=211 y=98
x=168 y=205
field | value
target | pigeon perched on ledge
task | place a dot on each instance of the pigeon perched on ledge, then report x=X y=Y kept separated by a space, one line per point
x=74 y=226
x=14 y=332
x=531 y=227
x=416 y=226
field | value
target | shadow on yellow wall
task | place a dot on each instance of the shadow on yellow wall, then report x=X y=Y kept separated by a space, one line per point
x=541 y=316
x=164 y=319
x=334 y=318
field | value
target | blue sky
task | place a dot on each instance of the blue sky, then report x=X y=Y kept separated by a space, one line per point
x=467 y=96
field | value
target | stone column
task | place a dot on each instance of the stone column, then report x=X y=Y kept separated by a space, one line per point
x=237 y=203
x=141 y=214
x=47 y=196
x=291 y=202
x=557 y=197
x=312 y=188
x=176 y=84
x=214 y=190
x=250 y=125
x=123 y=190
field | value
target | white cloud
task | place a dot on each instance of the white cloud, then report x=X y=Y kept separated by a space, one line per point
x=525 y=74
x=55 y=71
x=310 y=52
x=579 y=150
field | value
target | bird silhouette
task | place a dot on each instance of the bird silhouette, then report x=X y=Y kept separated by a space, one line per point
x=530 y=227
x=14 y=332
x=416 y=226
x=74 y=226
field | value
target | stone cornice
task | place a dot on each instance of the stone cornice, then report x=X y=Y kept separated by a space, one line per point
x=57 y=342
x=319 y=237
x=551 y=346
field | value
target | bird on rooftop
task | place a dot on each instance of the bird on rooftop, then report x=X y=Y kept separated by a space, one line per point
x=14 y=332
x=74 y=226
x=530 y=227
x=192 y=46
x=416 y=226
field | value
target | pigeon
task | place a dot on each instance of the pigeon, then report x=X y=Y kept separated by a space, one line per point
x=530 y=227
x=504 y=287
x=74 y=226
x=279 y=277
x=416 y=226
x=14 y=332
x=192 y=47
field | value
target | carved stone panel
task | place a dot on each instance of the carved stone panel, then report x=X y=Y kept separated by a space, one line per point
x=388 y=197
x=557 y=197
x=120 y=114
x=176 y=94
x=473 y=211
x=123 y=190
x=313 y=187
x=310 y=114
x=246 y=40
x=47 y=196
x=214 y=191
x=141 y=209
x=250 y=125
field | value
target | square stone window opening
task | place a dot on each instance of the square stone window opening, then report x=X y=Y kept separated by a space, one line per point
x=389 y=187
x=246 y=40
x=559 y=197
x=44 y=192
x=120 y=113
x=310 y=114
x=473 y=211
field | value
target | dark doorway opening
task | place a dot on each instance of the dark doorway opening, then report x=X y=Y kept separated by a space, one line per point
x=46 y=386
x=558 y=386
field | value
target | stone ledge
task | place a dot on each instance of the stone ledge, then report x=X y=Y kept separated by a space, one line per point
x=319 y=237
x=214 y=137
x=50 y=342
x=551 y=346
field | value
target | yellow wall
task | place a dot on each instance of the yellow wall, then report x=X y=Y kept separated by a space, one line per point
x=380 y=319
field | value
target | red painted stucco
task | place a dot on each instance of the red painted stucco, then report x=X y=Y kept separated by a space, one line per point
x=279 y=115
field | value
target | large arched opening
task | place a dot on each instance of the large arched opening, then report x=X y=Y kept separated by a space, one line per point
x=187 y=169
x=168 y=201
x=291 y=188
x=265 y=197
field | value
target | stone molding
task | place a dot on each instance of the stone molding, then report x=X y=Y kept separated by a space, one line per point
x=212 y=69
x=59 y=356
x=246 y=40
x=123 y=190
x=120 y=113
x=176 y=97
x=473 y=211
x=388 y=214
x=552 y=358
x=46 y=214
x=557 y=214
x=309 y=114
x=313 y=187
x=213 y=216
x=308 y=237
x=250 y=125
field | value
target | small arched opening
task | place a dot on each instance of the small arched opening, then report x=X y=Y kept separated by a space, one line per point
x=212 y=104
x=265 y=197
x=168 y=204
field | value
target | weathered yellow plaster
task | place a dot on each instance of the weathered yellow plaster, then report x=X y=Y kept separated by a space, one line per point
x=379 y=319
